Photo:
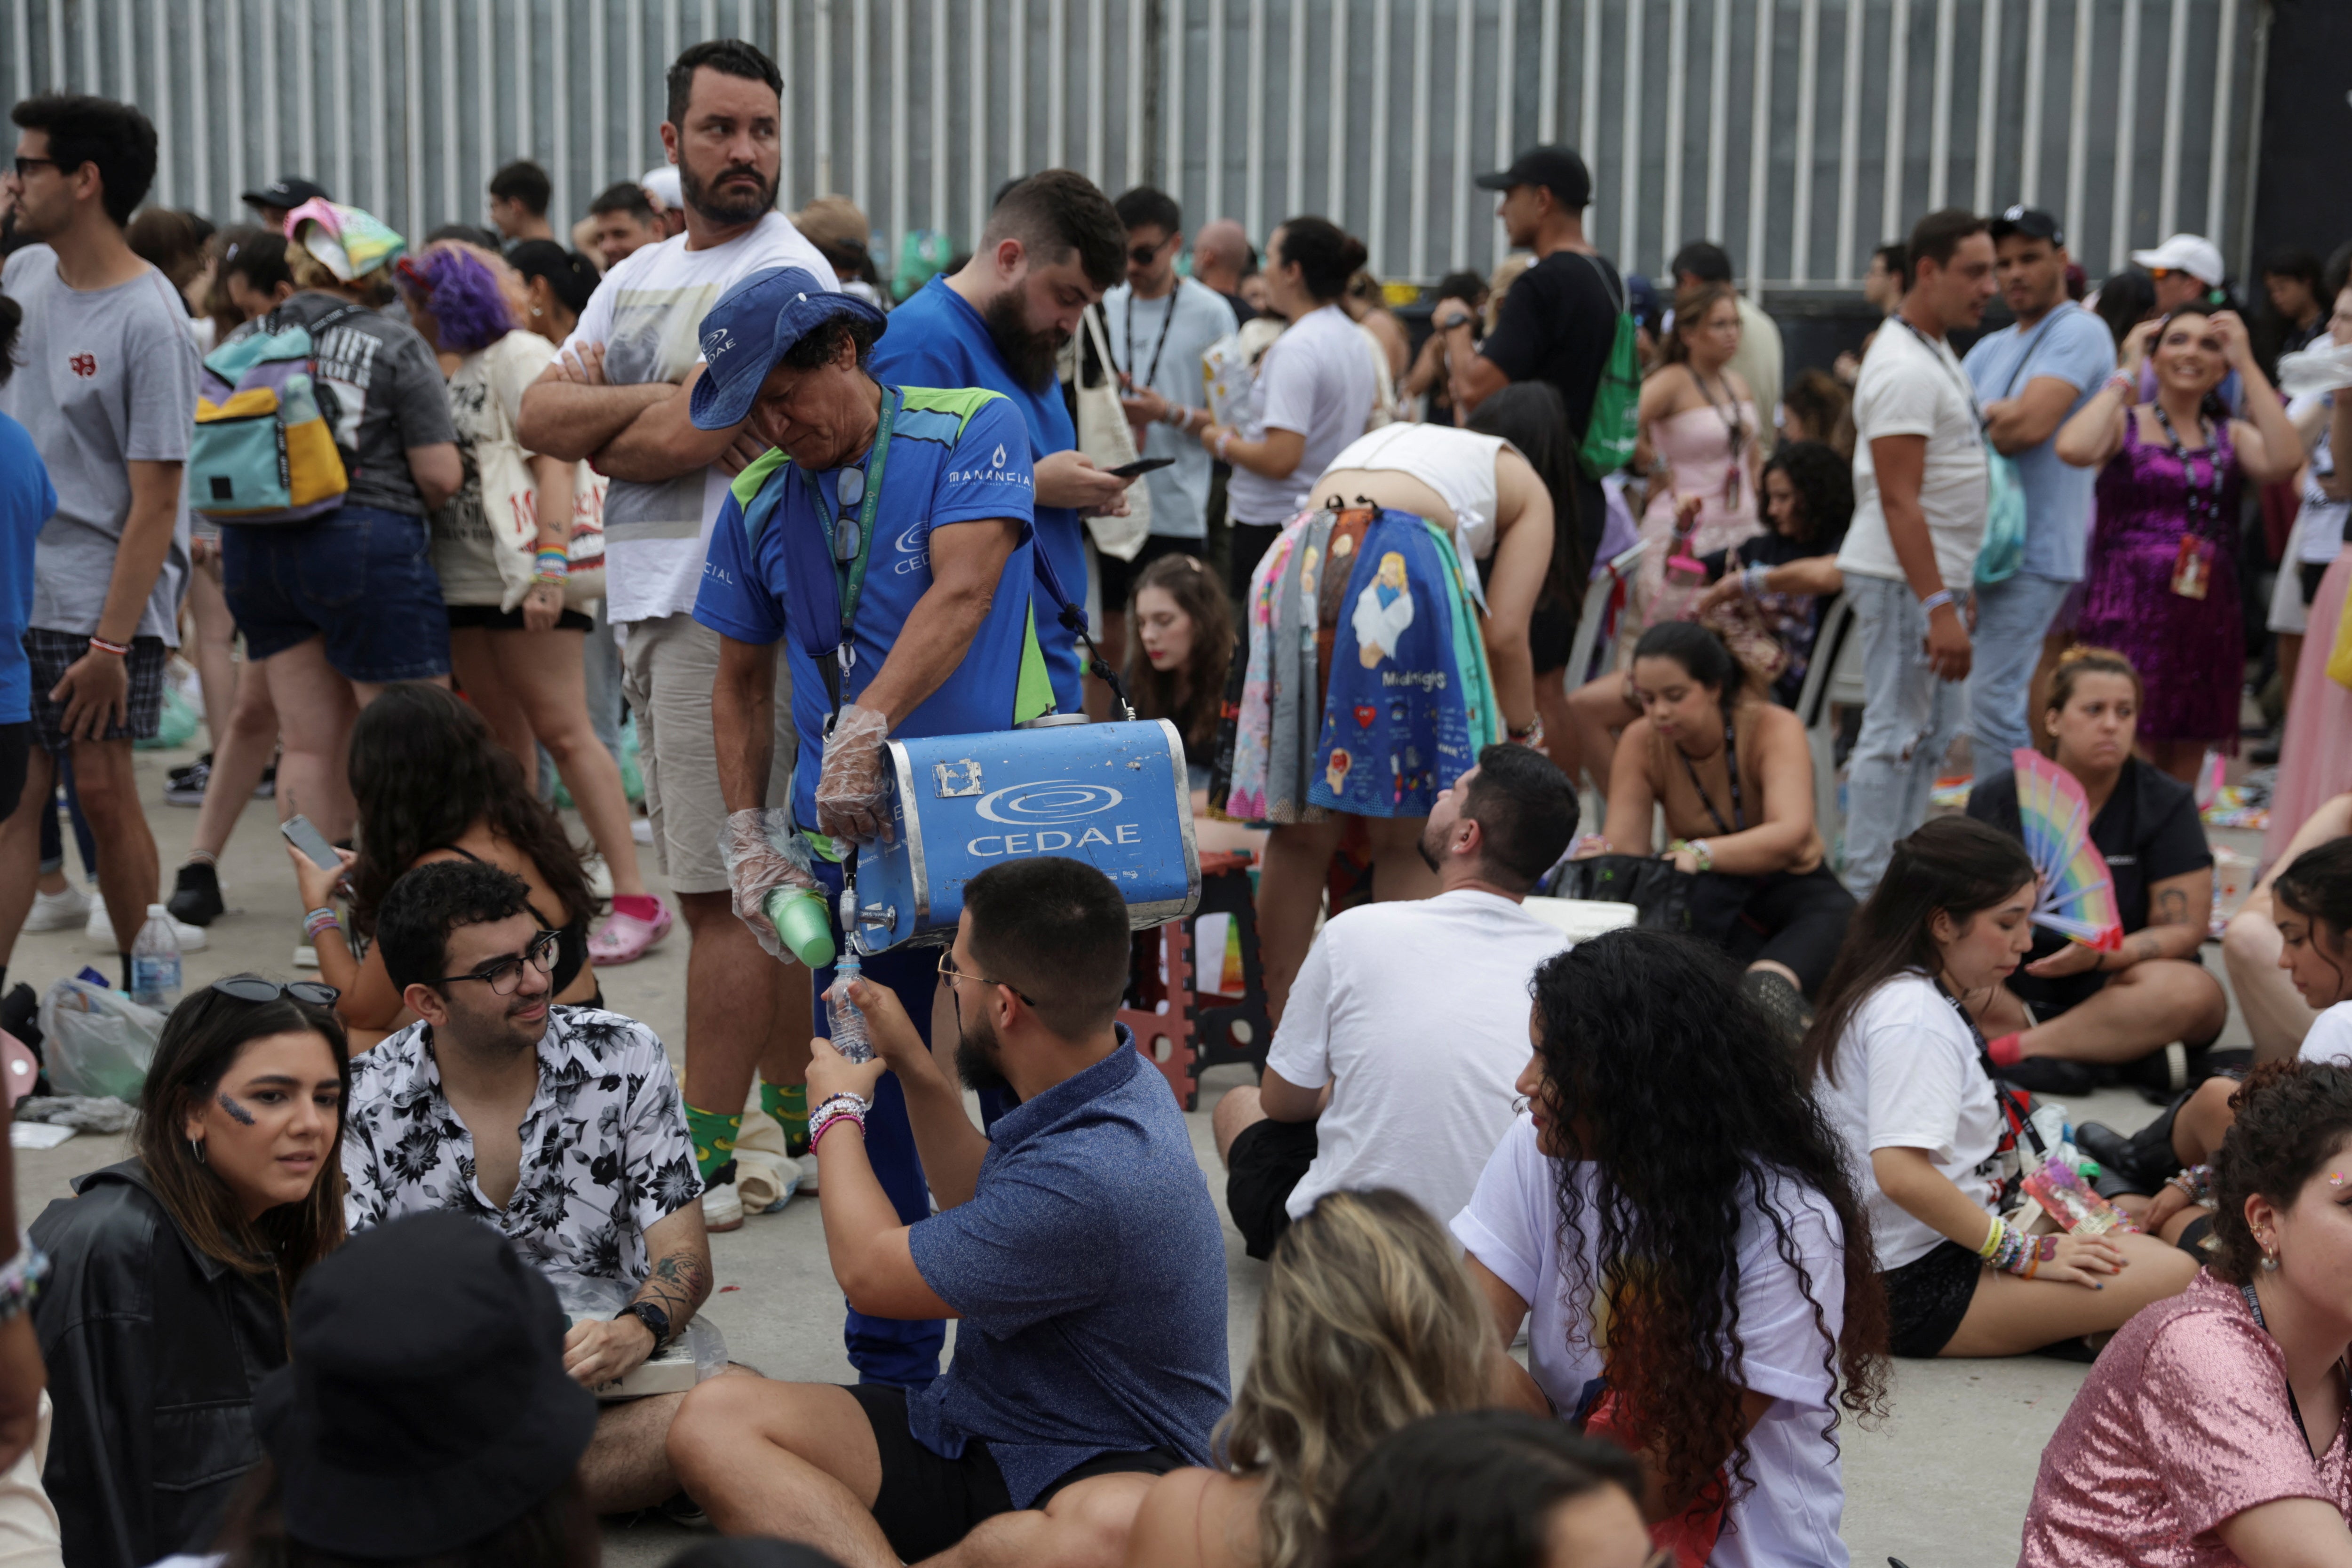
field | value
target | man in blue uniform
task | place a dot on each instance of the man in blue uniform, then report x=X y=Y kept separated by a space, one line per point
x=886 y=536
x=1053 y=245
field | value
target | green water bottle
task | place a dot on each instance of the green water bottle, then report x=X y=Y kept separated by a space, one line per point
x=798 y=915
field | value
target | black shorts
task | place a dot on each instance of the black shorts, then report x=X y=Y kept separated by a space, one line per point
x=1264 y=1165
x=52 y=653
x=1550 y=630
x=926 y=1504
x=1927 y=1297
x=1798 y=921
x=15 y=752
x=2308 y=574
x=489 y=617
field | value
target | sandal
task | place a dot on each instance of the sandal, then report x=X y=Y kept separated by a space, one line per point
x=624 y=939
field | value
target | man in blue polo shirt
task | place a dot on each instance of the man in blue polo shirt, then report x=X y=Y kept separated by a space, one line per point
x=886 y=536
x=1053 y=245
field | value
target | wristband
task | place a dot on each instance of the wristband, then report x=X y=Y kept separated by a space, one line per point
x=1992 y=1239
x=2126 y=384
x=823 y=1122
x=1178 y=414
x=20 y=1277
x=1935 y=601
x=1751 y=578
x=1224 y=439
x=1532 y=735
x=120 y=650
x=317 y=922
x=1702 y=853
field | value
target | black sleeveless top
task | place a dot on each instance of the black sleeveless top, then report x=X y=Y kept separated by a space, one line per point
x=570 y=939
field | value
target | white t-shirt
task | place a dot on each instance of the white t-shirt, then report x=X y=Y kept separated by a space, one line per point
x=1908 y=1077
x=1789 y=1518
x=1459 y=465
x=2330 y=1039
x=1424 y=1072
x=1316 y=380
x=1910 y=387
x=647 y=312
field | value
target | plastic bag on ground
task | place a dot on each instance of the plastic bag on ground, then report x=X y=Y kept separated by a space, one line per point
x=97 y=1041
x=583 y=1297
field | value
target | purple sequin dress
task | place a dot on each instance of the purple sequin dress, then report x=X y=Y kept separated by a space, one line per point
x=2191 y=653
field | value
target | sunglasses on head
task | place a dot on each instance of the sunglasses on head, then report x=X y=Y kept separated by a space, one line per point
x=253 y=988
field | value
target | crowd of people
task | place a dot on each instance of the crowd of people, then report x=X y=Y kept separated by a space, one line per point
x=407 y=1261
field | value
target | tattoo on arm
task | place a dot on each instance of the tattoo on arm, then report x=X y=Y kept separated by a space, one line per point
x=2171 y=907
x=678 y=1284
x=2147 y=946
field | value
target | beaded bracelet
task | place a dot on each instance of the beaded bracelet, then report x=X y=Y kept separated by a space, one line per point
x=20 y=1277
x=1935 y=601
x=838 y=1108
x=1751 y=578
x=2195 y=1184
x=320 y=922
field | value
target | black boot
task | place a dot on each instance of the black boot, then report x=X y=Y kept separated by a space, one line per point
x=1781 y=1002
x=2144 y=1158
x=195 y=898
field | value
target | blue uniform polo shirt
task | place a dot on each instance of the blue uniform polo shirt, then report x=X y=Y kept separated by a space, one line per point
x=955 y=457
x=937 y=339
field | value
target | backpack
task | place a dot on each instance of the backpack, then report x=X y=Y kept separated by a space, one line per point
x=1615 y=423
x=264 y=449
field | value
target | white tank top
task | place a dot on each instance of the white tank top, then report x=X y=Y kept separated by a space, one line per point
x=1459 y=465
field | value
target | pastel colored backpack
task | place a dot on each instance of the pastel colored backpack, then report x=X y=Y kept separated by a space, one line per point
x=264 y=449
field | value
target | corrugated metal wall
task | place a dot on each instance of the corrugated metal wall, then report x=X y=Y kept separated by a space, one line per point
x=1799 y=131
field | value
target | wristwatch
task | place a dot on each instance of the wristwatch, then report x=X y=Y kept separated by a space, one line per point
x=651 y=1316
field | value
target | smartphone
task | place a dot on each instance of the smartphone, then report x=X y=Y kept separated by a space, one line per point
x=304 y=834
x=1141 y=465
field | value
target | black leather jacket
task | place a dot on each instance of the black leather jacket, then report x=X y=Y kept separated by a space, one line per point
x=153 y=1350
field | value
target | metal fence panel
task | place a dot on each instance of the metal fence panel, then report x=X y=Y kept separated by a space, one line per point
x=1799 y=133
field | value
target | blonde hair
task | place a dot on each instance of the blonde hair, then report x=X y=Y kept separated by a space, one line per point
x=310 y=272
x=1369 y=1322
x=2074 y=664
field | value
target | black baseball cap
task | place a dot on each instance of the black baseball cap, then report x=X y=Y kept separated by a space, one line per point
x=2030 y=222
x=288 y=191
x=1558 y=169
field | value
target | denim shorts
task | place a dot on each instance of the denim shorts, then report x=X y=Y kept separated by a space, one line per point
x=361 y=577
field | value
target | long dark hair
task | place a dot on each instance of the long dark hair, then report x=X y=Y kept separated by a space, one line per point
x=1476 y=1490
x=1530 y=415
x=199 y=1044
x=1825 y=485
x=1690 y=1112
x=1325 y=254
x=425 y=768
x=1698 y=650
x=2318 y=886
x=557 y=1531
x=1192 y=693
x=2125 y=301
x=1955 y=866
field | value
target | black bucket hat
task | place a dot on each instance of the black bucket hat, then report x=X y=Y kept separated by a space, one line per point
x=427 y=1404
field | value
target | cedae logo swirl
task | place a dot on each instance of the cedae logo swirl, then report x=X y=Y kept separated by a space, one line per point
x=1038 y=807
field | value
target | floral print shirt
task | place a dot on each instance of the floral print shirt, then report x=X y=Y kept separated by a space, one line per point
x=605 y=1150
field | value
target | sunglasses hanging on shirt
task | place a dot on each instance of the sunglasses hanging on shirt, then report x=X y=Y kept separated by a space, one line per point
x=850 y=486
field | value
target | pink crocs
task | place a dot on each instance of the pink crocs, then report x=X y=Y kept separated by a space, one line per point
x=624 y=938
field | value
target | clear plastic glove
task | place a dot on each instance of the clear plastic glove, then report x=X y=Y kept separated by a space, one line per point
x=851 y=789
x=764 y=854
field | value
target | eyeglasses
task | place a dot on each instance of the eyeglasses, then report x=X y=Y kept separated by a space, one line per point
x=504 y=975
x=253 y=988
x=950 y=973
x=1145 y=255
x=25 y=166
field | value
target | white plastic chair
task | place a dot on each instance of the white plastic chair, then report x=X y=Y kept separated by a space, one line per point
x=1590 y=630
x=1833 y=679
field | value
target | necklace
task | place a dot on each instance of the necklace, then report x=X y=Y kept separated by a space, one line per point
x=1735 y=430
x=2206 y=509
x=1731 y=765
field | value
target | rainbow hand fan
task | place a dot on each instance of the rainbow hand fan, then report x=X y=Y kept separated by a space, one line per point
x=2078 y=892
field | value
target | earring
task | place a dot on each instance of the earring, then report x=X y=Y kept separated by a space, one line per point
x=537 y=312
x=2269 y=1262
x=197 y=1147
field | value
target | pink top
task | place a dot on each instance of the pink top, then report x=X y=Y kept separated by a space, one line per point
x=2183 y=1423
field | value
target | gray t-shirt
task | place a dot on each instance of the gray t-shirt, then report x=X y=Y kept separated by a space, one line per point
x=105 y=377
x=389 y=393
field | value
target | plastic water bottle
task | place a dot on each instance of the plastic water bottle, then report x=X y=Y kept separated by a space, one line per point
x=155 y=961
x=849 y=1036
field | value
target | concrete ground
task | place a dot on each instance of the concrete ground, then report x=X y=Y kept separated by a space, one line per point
x=1942 y=1483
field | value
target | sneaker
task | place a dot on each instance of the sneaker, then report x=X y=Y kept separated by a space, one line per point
x=268 y=788
x=101 y=929
x=59 y=912
x=624 y=939
x=187 y=769
x=721 y=1208
x=808 y=1172
x=195 y=897
x=306 y=956
x=600 y=876
x=641 y=828
x=185 y=787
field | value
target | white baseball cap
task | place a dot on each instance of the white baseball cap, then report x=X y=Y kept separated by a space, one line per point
x=2190 y=253
x=660 y=183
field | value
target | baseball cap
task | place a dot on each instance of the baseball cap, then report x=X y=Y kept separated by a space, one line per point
x=1557 y=169
x=2190 y=253
x=2030 y=222
x=755 y=324
x=661 y=183
x=288 y=191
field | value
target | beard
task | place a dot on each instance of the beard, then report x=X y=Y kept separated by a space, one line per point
x=730 y=205
x=1429 y=846
x=976 y=1057
x=1029 y=353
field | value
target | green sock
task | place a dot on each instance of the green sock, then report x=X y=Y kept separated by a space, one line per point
x=788 y=1104
x=714 y=1143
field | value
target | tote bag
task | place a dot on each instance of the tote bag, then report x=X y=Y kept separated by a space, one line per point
x=1106 y=437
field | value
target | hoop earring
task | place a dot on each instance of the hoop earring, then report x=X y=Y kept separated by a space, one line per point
x=2269 y=1262
x=197 y=1147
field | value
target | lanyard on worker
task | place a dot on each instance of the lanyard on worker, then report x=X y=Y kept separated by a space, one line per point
x=1166 y=321
x=851 y=550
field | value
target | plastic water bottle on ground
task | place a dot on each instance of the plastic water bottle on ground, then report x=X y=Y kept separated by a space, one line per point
x=849 y=1036
x=155 y=961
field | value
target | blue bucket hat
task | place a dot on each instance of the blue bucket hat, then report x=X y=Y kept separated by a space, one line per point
x=755 y=324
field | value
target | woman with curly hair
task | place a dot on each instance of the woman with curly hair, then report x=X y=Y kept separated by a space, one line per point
x=2213 y=1428
x=1900 y=1068
x=1789 y=572
x=433 y=784
x=1368 y=1323
x=1676 y=1211
x=519 y=651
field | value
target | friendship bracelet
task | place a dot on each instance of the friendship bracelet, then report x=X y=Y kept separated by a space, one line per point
x=2126 y=384
x=825 y=1121
x=20 y=1277
x=119 y=649
x=1935 y=601
x=842 y=1102
x=317 y=922
x=1751 y=578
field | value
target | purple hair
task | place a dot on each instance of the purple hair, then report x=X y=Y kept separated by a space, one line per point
x=463 y=297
